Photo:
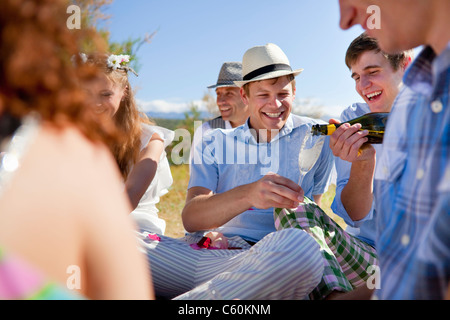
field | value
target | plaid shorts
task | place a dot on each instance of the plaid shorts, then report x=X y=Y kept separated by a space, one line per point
x=346 y=258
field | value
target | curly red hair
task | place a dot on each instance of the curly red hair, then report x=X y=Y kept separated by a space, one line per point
x=37 y=73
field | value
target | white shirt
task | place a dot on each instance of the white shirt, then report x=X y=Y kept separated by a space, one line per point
x=146 y=213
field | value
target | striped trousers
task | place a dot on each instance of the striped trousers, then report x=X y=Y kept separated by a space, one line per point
x=286 y=264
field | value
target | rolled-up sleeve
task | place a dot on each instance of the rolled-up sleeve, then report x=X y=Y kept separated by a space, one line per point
x=343 y=174
x=204 y=167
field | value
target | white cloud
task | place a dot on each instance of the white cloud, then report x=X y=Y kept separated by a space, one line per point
x=168 y=106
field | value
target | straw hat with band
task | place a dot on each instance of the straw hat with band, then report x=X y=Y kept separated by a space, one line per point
x=265 y=62
x=230 y=72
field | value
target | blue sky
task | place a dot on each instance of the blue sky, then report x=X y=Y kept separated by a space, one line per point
x=195 y=37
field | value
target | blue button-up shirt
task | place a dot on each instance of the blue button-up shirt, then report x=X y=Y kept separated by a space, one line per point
x=411 y=185
x=364 y=229
x=226 y=159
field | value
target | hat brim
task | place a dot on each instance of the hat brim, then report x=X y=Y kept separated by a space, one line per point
x=222 y=85
x=270 y=75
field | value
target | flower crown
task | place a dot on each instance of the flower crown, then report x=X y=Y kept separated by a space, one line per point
x=120 y=62
x=114 y=62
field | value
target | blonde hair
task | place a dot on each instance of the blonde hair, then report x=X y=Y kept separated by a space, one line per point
x=128 y=118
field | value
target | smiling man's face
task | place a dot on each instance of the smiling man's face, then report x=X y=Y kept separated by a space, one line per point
x=270 y=103
x=376 y=81
x=231 y=106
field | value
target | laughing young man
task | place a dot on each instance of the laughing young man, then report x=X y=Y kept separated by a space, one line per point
x=378 y=79
x=412 y=175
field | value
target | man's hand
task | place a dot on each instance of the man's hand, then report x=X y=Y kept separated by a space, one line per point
x=275 y=191
x=349 y=143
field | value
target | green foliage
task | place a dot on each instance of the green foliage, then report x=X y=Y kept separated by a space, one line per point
x=93 y=15
x=190 y=116
x=171 y=124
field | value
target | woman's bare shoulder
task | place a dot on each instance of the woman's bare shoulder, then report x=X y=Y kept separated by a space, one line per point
x=87 y=167
x=65 y=168
x=65 y=196
x=72 y=146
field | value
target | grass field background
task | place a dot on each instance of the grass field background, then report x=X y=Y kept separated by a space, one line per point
x=172 y=203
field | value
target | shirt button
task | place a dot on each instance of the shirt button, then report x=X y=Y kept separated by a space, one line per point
x=405 y=240
x=419 y=174
x=436 y=106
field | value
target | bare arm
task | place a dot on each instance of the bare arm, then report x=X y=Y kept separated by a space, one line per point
x=357 y=195
x=121 y=273
x=205 y=210
x=348 y=144
x=144 y=170
x=318 y=199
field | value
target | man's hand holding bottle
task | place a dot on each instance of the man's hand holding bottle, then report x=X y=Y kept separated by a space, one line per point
x=349 y=143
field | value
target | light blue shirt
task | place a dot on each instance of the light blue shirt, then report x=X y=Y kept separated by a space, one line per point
x=364 y=229
x=412 y=185
x=226 y=159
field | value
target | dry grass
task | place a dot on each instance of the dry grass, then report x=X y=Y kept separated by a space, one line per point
x=172 y=203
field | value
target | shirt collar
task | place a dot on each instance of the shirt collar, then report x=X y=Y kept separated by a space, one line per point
x=424 y=73
x=287 y=128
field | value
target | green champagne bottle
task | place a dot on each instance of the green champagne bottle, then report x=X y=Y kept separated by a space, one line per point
x=374 y=122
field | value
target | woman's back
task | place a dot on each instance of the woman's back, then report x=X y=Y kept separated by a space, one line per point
x=64 y=211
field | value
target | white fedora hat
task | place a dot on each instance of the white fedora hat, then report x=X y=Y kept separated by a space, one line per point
x=265 y=62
